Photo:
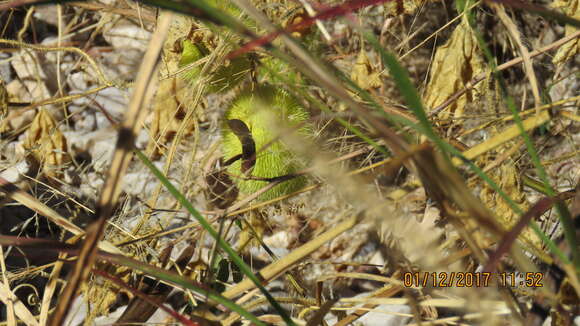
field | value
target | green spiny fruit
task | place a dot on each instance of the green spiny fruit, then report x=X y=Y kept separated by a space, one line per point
x=224 y=78
x=255 y=109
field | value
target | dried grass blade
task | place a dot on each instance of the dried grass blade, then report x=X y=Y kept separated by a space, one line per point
x=503 y=137
x=6 y=296
x=121 y=158
x=11 y=320
x=278 y=267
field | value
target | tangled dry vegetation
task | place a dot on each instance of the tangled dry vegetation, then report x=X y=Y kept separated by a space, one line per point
x=378 y=225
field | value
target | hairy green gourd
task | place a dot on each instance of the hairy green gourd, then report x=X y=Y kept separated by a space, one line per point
x=224 y=78
x=256 y=108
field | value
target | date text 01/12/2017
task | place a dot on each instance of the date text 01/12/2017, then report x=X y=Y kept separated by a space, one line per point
x=472 y=279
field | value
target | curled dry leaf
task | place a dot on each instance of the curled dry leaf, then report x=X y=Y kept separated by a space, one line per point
x=221 y=191
x=456 y=62
x=168 y=113
x=569 y=50
x=507 y=177
x=104 y=294
x=364 y=74
x=169 y=109
x=47 y=146
x=5 y=96
x=17 y=117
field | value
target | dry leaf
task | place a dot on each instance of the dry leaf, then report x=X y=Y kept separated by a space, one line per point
x=507 y=178
x=221 y=191
x=569 y=50
x=103 y=294
x=17 y=117
x=455 y=64
x=169 y=110
x=168 y=113
x=47 y=146
x=364 y=74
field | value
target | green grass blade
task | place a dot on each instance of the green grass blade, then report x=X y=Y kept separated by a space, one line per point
x=181 y=281
x=220 y=241
x=410 y=94
x=563 y=212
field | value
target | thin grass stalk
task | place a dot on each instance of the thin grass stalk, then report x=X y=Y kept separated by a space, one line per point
x=563 y=212
x=221 y=242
